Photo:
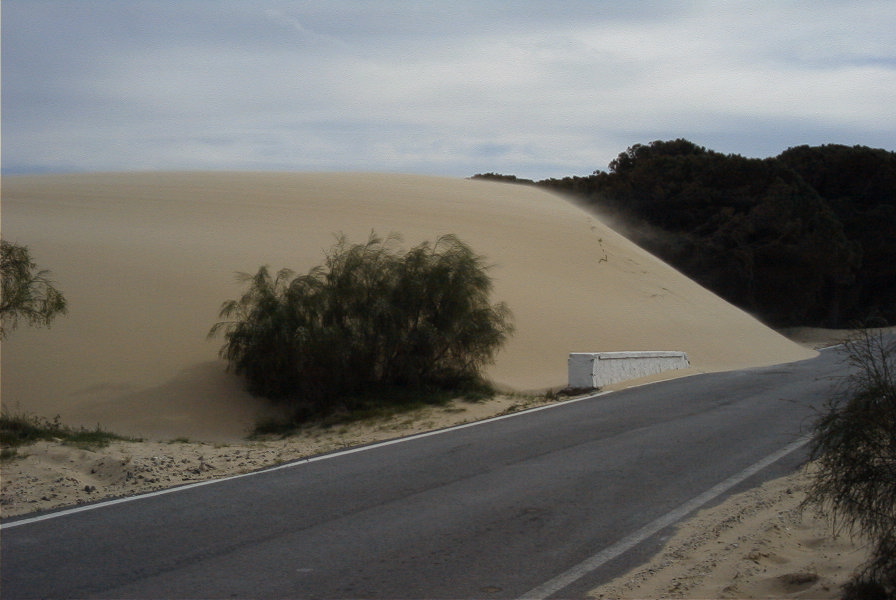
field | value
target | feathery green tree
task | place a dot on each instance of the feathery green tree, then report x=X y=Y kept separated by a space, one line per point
x=855 y=449
x=28 y=294
x=371 y=317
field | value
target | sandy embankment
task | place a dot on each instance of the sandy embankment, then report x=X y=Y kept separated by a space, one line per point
x=146 y=259
x=49 y=475
x=757 y=544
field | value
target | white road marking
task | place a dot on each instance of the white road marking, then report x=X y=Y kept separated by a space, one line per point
x=541 y=592
x=288 y=465
x=588 y=565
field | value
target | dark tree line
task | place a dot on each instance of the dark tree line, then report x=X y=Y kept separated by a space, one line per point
x=859 y=184
x=804 y=238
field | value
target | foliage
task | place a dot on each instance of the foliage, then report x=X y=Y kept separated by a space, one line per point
x=855 y=449
x=501 y=178
x=859 y=184
x=21 y=429
x=371 y=318
x=805 y=238
x=27 y=293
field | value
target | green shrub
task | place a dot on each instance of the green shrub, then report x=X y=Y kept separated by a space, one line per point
x=855 y=449
x=370 y=318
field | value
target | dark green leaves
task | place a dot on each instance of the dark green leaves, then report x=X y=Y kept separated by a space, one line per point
x=370 y=317
x=805 y=238
x=27 y=292
x=855 y=451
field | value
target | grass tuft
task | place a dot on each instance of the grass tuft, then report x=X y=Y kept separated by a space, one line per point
x=19 y=429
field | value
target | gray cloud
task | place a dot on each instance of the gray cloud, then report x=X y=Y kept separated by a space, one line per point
x=533 y=88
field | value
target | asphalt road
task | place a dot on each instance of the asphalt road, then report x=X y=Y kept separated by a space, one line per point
x=548 y=502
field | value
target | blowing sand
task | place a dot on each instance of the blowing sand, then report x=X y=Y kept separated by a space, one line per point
x=146 y=259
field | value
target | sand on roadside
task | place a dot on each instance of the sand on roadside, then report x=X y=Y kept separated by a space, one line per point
x=762 y=543
x=51 y=474
x=757 y=544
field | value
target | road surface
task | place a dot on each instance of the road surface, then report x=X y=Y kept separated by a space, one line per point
x=547 y=502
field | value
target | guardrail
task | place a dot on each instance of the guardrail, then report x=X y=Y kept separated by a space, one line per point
x=598 y=369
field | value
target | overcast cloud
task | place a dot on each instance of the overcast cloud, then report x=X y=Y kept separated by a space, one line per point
x=534 y=88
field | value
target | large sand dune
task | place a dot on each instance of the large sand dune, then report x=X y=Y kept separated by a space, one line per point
x=146 y=259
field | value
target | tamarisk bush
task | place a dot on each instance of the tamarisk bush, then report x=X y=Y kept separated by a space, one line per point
x=854 y=446
x=371 y=317
x=27 y=293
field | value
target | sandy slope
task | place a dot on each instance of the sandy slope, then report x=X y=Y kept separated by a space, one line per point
x=146 y=259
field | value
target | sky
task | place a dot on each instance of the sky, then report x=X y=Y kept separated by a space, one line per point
x=534 y=88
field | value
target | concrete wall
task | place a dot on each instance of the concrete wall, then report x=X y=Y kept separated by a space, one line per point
x=597 y=369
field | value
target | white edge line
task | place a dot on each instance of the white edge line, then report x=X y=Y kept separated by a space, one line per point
x=592 y=563
x=303 y=461
x=287 y=465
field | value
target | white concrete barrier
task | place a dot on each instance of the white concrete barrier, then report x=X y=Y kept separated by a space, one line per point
x=597 y=369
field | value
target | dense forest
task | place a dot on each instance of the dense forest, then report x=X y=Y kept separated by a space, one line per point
x=804 y=238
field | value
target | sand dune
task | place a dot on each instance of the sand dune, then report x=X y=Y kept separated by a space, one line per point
x=145 y=260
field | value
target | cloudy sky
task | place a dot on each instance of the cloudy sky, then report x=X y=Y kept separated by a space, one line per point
x=536 y=88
